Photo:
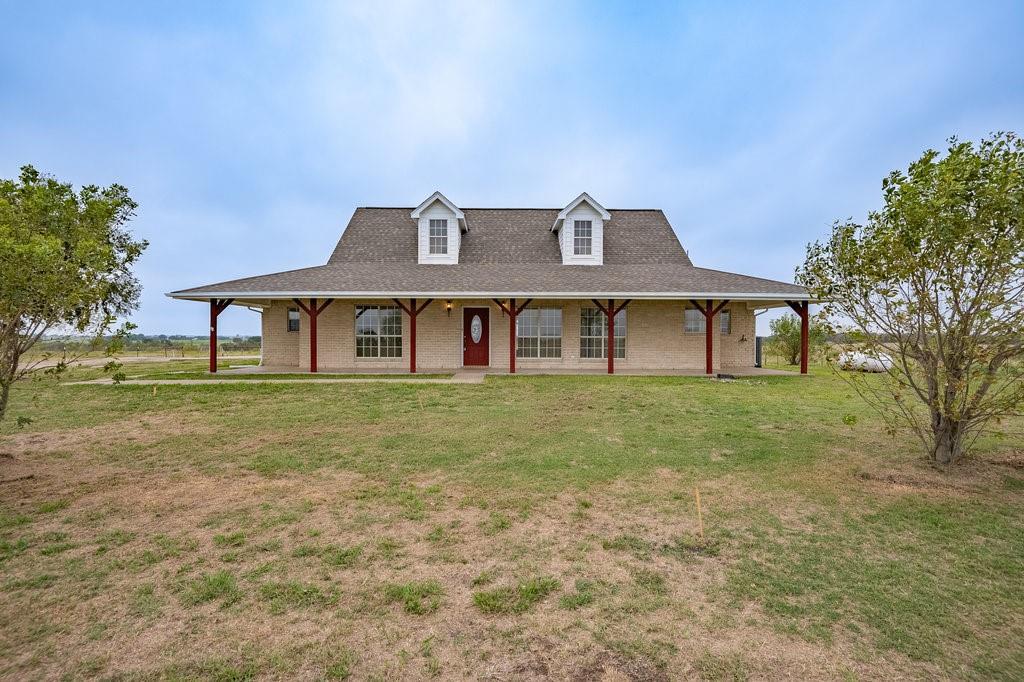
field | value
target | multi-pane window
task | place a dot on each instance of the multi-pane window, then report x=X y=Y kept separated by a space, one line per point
x=693 y=321
x=594 y=334
x=438 y=236
x=582 y=238
x=293 y=319
x=539 y=333
x=378 y=331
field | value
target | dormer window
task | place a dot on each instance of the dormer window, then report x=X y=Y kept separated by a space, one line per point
x=437 y=242
x=583 y=238
x=438 y=236
x=580 y=229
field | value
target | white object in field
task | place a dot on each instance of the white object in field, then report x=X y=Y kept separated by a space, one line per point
x=862 y=362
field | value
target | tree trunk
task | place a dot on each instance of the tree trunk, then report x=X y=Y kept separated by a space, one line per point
x=5 y=392
x=7 y=374
x=948 y=442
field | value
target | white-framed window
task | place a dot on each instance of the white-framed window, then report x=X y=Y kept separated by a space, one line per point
x=693 y=321
x=539 y=333
x=582 y=237
x=293 y=319
x=438 y=236
x=725 y=322
x=378 y=331
x=594 y=334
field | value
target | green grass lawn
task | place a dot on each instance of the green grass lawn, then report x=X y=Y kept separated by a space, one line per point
x=523 y=528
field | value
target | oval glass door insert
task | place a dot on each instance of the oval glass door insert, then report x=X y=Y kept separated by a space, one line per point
x=476 y=329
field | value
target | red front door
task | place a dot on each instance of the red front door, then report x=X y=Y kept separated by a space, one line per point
x=476 y=342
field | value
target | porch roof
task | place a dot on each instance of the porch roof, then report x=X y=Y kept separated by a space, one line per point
x=489 y=280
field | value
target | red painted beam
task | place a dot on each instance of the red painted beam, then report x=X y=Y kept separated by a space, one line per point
x=610 y=314
x=213 y=335
x=217 y=306
x=804 y=335
x=313 y=313
x=513 y=313
x=412 y=335
x=709 y=338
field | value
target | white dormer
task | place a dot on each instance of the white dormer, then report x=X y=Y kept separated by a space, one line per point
x=580 y=228
x=440 y=225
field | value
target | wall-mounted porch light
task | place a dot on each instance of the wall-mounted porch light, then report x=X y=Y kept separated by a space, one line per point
x=448 y=307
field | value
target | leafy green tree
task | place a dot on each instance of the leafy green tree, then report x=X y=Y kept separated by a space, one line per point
x=65 y=264
x=935 y=280
x=786 y=336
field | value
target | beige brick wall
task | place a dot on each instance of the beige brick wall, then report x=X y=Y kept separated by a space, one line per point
x=280 y=347
x=654 y=338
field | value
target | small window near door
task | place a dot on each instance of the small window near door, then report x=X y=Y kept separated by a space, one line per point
x=725 y=326
x=293 y=319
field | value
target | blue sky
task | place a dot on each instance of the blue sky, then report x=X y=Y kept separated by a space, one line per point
x=249 y=131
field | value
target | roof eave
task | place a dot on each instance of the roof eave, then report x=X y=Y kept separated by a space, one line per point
x=199 y=295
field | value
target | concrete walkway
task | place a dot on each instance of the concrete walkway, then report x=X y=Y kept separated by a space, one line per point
x=462 y=376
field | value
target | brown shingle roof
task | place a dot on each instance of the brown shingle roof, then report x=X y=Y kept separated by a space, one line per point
x=505 y=252
x=508 y=235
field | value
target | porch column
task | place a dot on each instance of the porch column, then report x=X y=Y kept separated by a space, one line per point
x=709 y=340
x=513 y=312
x=709 y=310
x=413 y=312
x=313 y=311
x=512 y=315
x=217 y=306
x=802 y=308
x=610 y=312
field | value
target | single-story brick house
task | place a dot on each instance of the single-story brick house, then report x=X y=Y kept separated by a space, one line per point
x=443 y=287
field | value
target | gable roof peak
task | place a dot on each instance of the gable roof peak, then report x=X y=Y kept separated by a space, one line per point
x=583 y=197
x=435 y=197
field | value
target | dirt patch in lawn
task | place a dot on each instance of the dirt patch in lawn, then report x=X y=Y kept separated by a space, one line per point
x=177 y=570
x=142 y=430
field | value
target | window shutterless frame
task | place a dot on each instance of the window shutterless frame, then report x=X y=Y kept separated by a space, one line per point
x=594 y=334
x=293 y=319
x=378 y=331
x=582 y=237
x=438 y=236
x=539 y=333
x=693 y=321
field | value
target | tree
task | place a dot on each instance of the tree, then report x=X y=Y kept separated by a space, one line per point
x=65 y=263
x=935 y=280
x=786 y=336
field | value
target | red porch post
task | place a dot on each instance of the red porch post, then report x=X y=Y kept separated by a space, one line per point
x=709 y=310
x=610 y=312
x=313 y=311
x=513 y=312
x=213 y=335
x=312 y=335
x=802 y=308
x=413 y=312
x=709 y=340
x=805 y=333
x=217 y=306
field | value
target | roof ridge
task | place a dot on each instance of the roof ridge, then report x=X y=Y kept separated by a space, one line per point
x=509 y=208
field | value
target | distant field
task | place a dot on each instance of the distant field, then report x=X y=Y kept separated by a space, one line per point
x=524 y=528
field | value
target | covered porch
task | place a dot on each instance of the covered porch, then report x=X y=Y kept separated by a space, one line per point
x=432 y=335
